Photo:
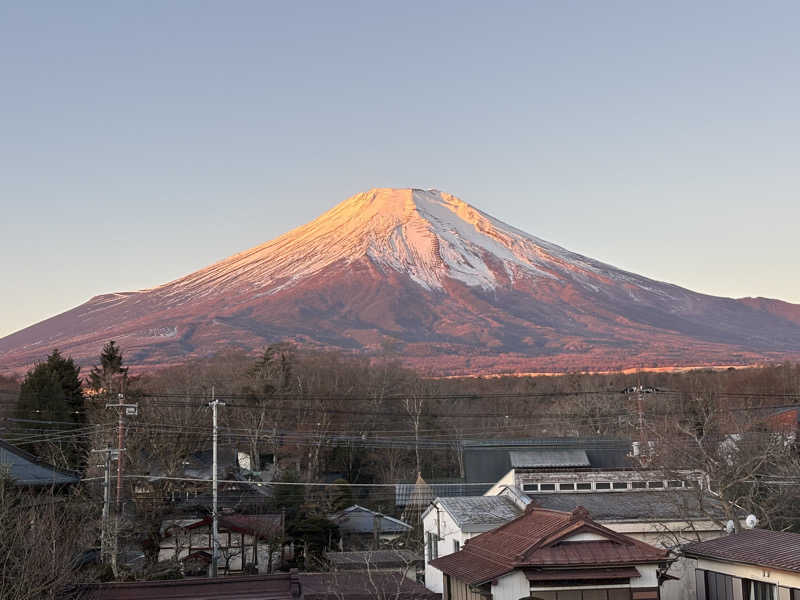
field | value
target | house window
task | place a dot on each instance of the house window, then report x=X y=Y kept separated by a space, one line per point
x=433 y=546
x=566 y=487
x=547 y=487
x=602 y=485
x=655 y=484
x=719 y=586
x=530 y=487
x=583 y=486
x=674 y=483
x=456 y=545
x=757 y=590
x=638 y=485
x=620 y=485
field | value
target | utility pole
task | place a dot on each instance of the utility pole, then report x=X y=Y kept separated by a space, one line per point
x=214 y=513
x=122 y=410
x=109 y=452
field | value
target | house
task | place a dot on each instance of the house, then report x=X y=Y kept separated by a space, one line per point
x=552 y=555
x=754 y=564
x=785 y=421
x=246 y=542
x=28 y=471
x=362 y=528
x=665 y=518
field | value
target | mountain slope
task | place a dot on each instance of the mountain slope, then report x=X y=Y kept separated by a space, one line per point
x=448 y=286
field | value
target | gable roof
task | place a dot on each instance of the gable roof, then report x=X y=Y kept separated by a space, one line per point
x=349 y=522
x=262 y=526
x=28 y=470
x=761 y=547
x=480 y=513
x=541 y=538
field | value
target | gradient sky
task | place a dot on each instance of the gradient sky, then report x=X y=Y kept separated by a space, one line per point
x=142 y=140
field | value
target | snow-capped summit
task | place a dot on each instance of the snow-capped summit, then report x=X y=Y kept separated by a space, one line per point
x=452 y=287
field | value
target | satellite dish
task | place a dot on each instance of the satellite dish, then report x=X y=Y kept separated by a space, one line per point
x=751 y=521
x=730 y=526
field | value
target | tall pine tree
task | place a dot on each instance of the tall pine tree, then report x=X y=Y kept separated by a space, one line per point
x=51 y=398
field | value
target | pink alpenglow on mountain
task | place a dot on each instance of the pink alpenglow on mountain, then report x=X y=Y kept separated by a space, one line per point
x=448 y=288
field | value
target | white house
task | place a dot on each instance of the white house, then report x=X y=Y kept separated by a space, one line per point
x=663 y=517
x=755 y=564
x=552 y=555
x=245 y=541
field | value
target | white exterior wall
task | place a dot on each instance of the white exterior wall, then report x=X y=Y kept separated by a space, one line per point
x=515 y=585
x=449 y=532
x=775 y=576
x=168 y=550
x=512 y=586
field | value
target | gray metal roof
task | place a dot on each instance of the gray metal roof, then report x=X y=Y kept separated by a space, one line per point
x=26 y=469
x=357 y=519
x=549 y=457
x=480 y=513
x=640 y=505
x=489 y=460
x=405 y=491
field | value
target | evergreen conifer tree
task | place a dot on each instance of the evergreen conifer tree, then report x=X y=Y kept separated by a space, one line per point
x=101 y=377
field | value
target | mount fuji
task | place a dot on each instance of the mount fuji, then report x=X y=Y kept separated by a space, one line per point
x=438 y=283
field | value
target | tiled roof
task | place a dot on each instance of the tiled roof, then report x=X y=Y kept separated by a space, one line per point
x=653 y=505
x=375 y=559
x=362 y=585
x=265 y=525
x=761 y=547
x=25 y=469
x=538 y=538
x=282 y=586
x=549 y=458
x=480 y=513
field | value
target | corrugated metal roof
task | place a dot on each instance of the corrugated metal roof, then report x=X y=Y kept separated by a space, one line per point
x=760 y=547
x=26 y=469
x=405 y=491
x=480 y=513
x=549 y=457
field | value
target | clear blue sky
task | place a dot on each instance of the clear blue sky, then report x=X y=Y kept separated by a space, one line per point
x=142 y=140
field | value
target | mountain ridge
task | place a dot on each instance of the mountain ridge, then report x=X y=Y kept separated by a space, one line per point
x=454 y=288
